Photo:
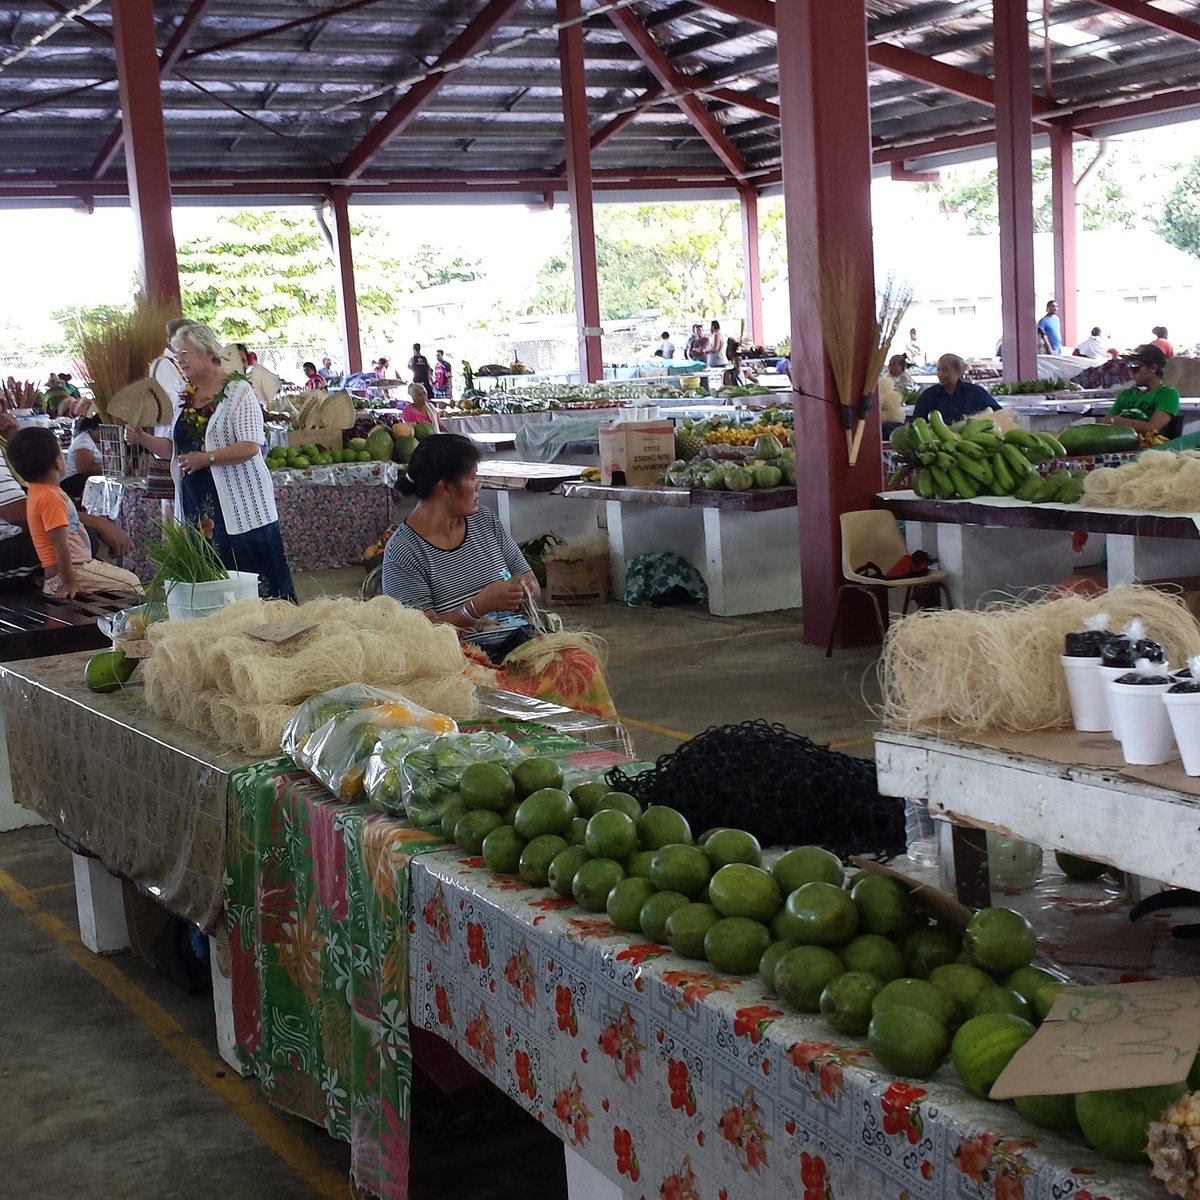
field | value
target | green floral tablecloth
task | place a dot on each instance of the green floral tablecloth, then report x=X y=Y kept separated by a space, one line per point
x=316 y=893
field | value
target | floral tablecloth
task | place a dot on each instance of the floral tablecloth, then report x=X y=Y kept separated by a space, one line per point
x=324 y=525
x=316 y=894
x=680 y=1083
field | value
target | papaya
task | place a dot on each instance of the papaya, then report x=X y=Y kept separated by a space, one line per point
x=402 y=429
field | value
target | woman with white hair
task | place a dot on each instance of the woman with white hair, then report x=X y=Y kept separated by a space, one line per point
x=216 y=443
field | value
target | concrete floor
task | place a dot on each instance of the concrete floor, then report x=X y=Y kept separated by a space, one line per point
x=110 y=1085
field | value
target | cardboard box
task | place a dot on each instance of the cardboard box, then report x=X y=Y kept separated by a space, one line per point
x=636 y=452
x=325 y=439
x=575 y=581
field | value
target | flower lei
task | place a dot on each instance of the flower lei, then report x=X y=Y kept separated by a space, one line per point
x=198 y=417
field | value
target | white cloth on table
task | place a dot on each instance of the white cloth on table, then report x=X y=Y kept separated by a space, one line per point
x=245 y=490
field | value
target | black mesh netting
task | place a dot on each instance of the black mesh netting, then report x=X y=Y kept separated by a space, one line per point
x=783 y=788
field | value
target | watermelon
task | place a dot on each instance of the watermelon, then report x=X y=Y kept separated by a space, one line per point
x=379 y=444
x=982 y=1047
x=1115 y=1122
x=767 y=446
x=739 y=479
x=422 y=430
x=1098 y=439
x=402 y=449
x=767 y=477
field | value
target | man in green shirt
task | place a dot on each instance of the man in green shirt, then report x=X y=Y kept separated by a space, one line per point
x=1149 y=406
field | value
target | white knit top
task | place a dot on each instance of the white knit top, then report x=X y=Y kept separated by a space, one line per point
x=246 y=492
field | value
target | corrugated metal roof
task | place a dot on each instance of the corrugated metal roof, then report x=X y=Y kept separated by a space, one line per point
x=286 y=91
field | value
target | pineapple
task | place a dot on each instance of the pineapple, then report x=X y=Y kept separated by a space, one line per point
x=688 y=443
x=1174 y=1147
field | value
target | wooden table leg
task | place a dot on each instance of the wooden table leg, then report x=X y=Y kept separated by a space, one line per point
x=963 y=863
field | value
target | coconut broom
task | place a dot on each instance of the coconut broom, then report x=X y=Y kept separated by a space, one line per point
x=837 y=298
x=893 y=304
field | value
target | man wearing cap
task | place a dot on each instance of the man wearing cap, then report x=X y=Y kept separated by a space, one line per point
x=1149 y=406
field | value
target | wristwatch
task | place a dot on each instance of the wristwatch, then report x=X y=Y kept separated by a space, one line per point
x=212 y=458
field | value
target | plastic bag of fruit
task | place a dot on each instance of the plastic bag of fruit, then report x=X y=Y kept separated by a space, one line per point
x=423 y=780
x=333 y=735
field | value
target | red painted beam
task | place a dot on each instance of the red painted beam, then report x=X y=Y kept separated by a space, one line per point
x=579 y=191
x=477 y=33
x=1084 y=120
x=945 y=77
x=825 y=137
x=619 y=122
x=901 y=174
x=751 y=265
x=1066 y=232
x=940 y=145
x=757 y=12
x=270 y=31
x=91 y=26
x=768 y=108
x=347 y=293
x=652 y=56
x=167 y=62
x=146 y=166
x=1149 y=15
x=1014 y=163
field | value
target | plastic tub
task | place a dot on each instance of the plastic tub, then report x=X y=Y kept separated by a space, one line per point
x=1183 y=711
x=186 y=601
x=1107 y=675
x=1089 y=699
x=1146 y=737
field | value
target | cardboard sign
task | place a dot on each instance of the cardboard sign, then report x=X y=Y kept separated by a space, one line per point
x=1098 y=1039
x=280 y=631
x=636 y=452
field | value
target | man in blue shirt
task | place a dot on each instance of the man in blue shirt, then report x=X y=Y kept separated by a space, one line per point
x=953 y=396
x=1050 y=329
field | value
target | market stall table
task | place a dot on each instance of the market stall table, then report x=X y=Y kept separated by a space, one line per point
x=523 y=497
x=1058 y=789
x=670 y=1079
x=743 y=543
x=327 y=515
x=998 y=544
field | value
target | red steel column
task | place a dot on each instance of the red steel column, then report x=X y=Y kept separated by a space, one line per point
x=1066 y=232
x=1014 y=160
x=825 y=132
x=579 y=193
x=146 y=165
x=752 y=267
x=347 y=294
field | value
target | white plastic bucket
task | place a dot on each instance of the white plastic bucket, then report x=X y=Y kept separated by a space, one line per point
x=1183 y=710
x=188 y=600
x=1146 y=737
x=1089 y=701
x=1107 y=675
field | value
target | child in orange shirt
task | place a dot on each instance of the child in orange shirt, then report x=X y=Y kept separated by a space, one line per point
x=61 y=542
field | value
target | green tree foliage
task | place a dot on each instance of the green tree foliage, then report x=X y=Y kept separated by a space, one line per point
x=683 y=260
x=1106 y=202
x=269 y=275
x=1179 y=222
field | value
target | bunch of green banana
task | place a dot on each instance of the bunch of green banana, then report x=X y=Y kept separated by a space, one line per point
x=977 y=460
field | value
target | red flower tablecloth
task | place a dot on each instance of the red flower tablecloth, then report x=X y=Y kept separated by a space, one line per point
x=678 y=1082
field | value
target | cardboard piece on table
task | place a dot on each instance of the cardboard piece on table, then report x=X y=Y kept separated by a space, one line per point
x=1108 y=941
x=938 y=904
x=1098 y=1039
x=280 y=631
x=636 y=452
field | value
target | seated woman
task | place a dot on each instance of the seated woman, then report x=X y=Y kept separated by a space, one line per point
x=455 y=561
x=83 y=457
x=1149 y=406
x=737 y=375
x=418 y=410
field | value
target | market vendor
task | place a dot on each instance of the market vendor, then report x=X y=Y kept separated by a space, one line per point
x=216 y=442
x=1149 y=406
x=737 y=375
x=953 y=396
x=418 y=410
x=454 y=560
